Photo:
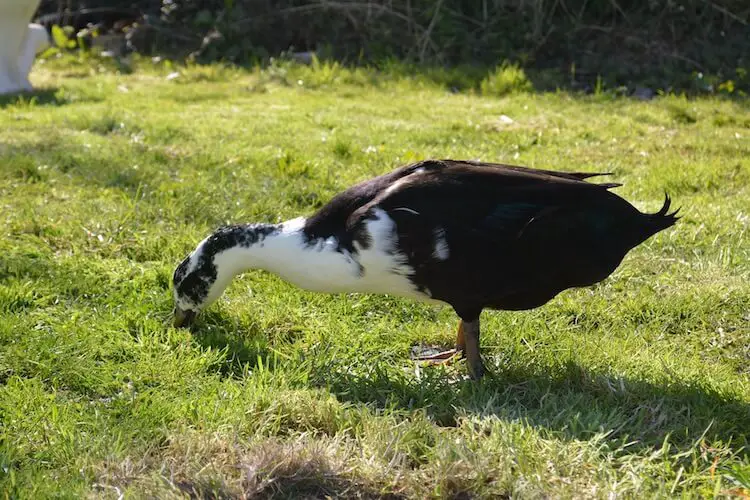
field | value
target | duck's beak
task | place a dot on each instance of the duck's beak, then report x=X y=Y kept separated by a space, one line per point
x=183 y=318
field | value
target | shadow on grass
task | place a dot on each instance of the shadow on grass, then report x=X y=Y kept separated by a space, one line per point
x=571 y=400
x=567 y=399
x=244 y=345
x=277 y=469
x=44 y=97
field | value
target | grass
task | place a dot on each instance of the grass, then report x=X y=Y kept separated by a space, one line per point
x=638 y=387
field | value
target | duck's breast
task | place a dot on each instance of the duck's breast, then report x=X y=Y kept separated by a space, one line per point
x=375 y=265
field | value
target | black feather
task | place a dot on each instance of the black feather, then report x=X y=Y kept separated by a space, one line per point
x=516 y=236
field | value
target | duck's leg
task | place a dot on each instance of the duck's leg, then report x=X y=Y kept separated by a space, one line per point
x=471 y=350
x=447 y=356
x=467 y=344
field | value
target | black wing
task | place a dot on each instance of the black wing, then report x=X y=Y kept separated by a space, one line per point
x=471 y=199
x=460 y=194
x=565 y=175
x=491 y=218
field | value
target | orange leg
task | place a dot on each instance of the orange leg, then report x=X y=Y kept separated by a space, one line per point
x=450 y=354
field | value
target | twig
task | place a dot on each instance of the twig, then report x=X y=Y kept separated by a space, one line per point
x=727 y=12
x=346 y=7
x=60 y=9
x=464 y=17
x=174 y=33
x=673 y=55
x=619 y=9
x=330 y=5
x=683 y=58
x=594 y=27
x=409 y=15
x=426 y=35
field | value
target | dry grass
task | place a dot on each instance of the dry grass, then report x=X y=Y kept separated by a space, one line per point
x=216 y=467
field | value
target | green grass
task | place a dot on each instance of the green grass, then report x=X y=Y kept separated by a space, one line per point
x=637 y=387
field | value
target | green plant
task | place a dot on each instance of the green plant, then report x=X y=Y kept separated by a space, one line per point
x=62 y=37
x=505 y=79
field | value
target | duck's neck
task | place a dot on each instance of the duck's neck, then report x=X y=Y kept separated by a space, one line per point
x=236 y=249
x=282 y=249
x=319 y=265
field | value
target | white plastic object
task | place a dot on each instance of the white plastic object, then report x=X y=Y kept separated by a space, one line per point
x=19 y=44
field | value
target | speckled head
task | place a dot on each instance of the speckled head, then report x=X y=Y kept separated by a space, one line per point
x=191 y=283
x=204 y=274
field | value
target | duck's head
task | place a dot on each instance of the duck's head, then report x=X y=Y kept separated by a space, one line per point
x=190 y=290
x=197 y=282
x=203 y=276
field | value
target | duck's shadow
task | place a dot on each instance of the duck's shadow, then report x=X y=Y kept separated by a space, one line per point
x=571 y=401
x=216 y=331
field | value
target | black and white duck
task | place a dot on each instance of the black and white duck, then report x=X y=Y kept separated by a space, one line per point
x=469 y=234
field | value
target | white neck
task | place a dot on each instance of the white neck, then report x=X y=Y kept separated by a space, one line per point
x=316 y=266
x=319 y=265
x=261 y=252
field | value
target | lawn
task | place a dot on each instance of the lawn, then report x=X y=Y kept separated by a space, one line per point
x=637 y=387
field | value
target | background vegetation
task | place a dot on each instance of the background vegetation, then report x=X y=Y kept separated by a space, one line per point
x=695 y=45
x=109 y=174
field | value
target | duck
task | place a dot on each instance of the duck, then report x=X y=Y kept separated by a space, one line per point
x=469 y=234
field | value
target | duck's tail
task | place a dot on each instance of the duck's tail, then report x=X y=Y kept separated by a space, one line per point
x=660 y=220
